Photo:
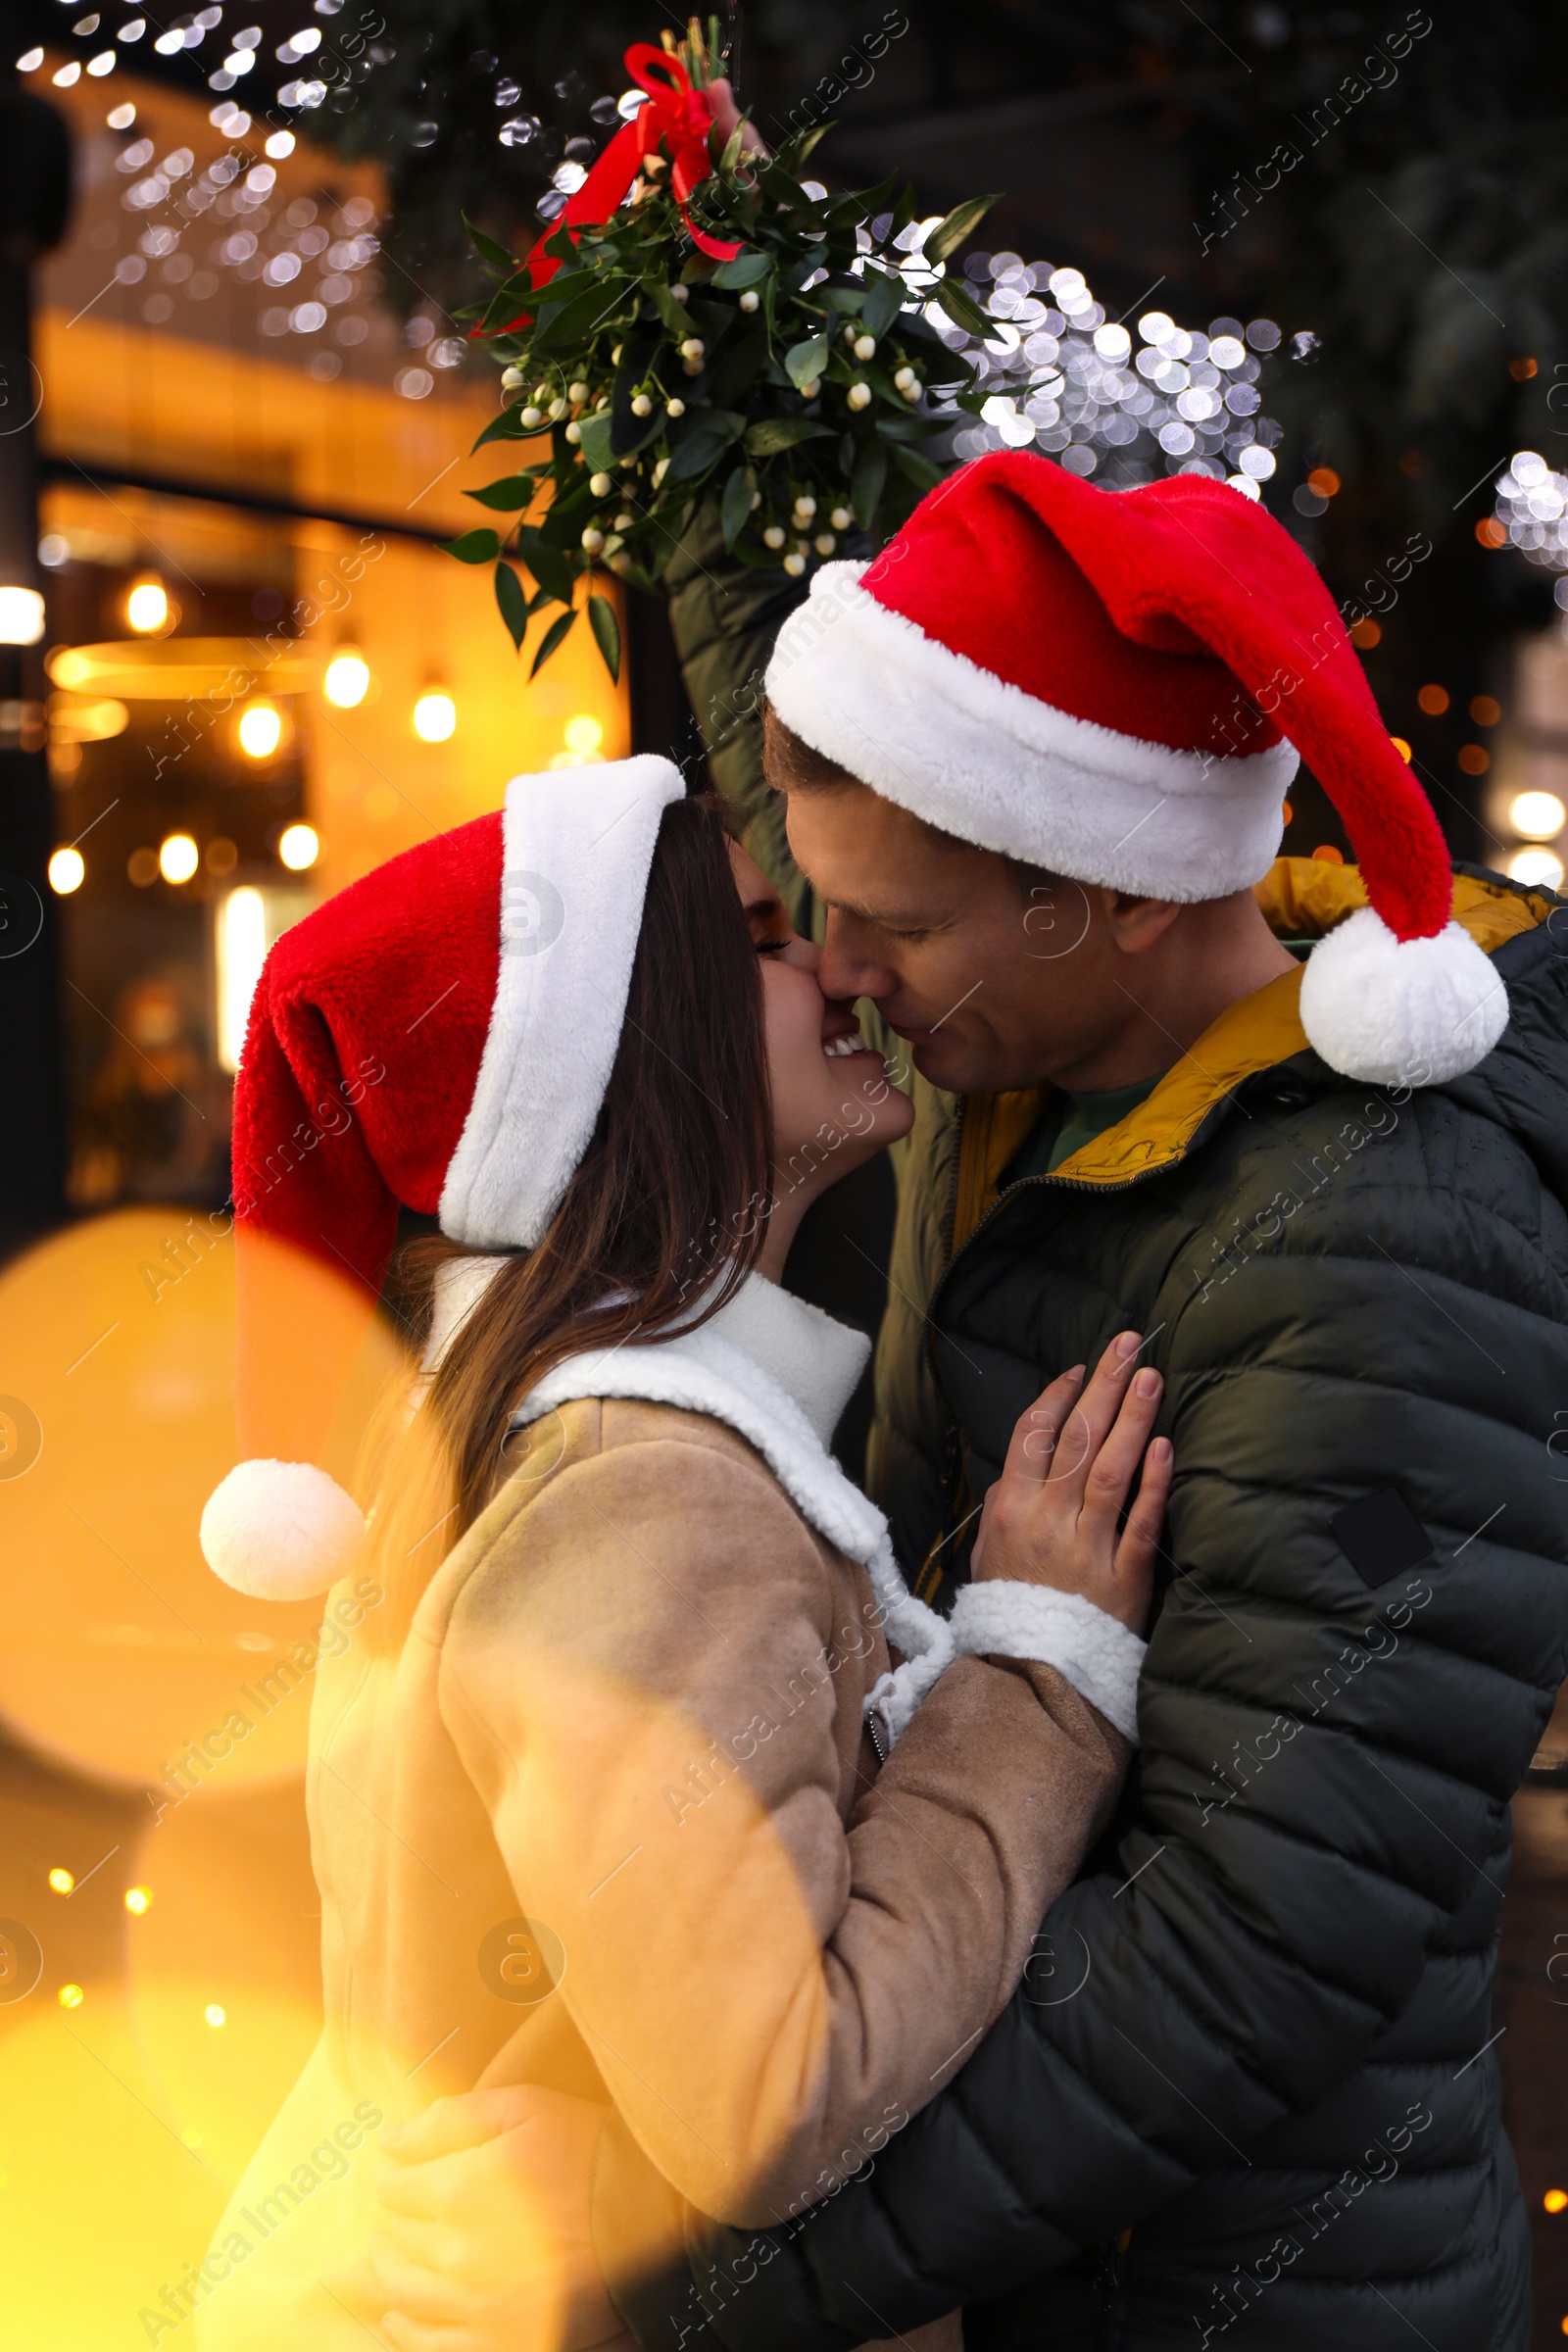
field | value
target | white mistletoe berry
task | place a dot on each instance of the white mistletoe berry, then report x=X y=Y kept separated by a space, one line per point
x=620 y=561
x=674 y=408
x=905 y=377
x=865 y=347
x=641 y=405
x=532 y=416
x=577 y=393
x=774 y=536
x=795 y=565
x=600 y=484
x=681 y=293
x=841 y=519
x=660 y=471
x=860 y=396
x=593 y=540
x=804 y=506
x=810 y=390
x=751 y=299
x=693 y=348
x=572 y=431
x=511 y=378
x=824 y=543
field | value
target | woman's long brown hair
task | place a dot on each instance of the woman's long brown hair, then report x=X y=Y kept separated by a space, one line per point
x=658 y=1226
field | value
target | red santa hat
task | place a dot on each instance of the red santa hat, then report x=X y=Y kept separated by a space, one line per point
x=1116 y=686
x=438 y=1037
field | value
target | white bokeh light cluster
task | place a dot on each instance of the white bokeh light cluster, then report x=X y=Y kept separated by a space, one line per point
x=1532 y=510
x=1123 y=404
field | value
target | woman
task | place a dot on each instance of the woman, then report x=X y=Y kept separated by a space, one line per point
x=605 y=1795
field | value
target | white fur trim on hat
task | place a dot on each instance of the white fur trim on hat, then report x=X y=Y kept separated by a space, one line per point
x=281 y=1531
x=577 y=844
x=930 y=730
x=1401 y=1012
x=1092 y=1650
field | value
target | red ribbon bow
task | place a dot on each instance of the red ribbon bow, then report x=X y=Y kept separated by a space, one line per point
x=676 y=119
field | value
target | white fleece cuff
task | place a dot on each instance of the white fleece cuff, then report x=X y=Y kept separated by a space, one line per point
x=1088 y=1649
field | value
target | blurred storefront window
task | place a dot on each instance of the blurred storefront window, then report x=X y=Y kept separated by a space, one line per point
x=265 y=676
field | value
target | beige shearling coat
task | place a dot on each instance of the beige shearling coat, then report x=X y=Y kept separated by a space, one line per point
x=608 y=1819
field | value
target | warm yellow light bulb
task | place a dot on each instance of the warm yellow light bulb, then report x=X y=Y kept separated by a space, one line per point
x=71 y=1996
x=1539 y=814
x=435 y=717
x=178 y=858
x=261 y=730
x=67 y=870
x=583 y=735
x=60 y=1880
x=299 y=846
x=147 y=605
x=1535 y=868
x=215 y=2014
x=348 y=678
x=138 y=1900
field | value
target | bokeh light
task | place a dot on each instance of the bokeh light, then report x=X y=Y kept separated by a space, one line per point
x=261 y=729
x=68 y=870
x=147 y=604
x=1539 y=816
x=299 y=846
x=347 y=679
x=178 y=858
x=435 y=717
x=584 y=734
x=1535 y=868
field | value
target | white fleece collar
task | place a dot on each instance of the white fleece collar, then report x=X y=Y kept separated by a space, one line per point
x=779 y=1372
x=814 y=1360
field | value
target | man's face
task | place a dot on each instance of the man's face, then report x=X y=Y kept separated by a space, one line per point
x=990 y=987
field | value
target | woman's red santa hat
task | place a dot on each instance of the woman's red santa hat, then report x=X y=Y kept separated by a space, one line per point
x=1116 y=686
x=438 y=1037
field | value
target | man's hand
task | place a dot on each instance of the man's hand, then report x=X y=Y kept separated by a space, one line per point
x=486 y=2245
x=1051 y=1518
x=726 y=115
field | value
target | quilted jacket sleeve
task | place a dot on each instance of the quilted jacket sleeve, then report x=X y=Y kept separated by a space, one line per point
x=1334 y=1715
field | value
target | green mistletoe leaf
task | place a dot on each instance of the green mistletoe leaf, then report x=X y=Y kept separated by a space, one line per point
x=806 y=361
x=606 y=633
x=547 y=643
x=475 y=547
x=746 y=270
x=961 y=308
x=512 y=602
x=960 y=222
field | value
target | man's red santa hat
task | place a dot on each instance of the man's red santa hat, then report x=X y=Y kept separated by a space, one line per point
x=1116 y=686
x=437 y=1037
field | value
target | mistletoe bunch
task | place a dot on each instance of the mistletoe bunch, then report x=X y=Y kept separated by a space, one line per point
x=796 y=382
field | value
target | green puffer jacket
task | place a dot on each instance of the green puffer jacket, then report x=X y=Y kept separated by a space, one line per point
x=1245 y=2096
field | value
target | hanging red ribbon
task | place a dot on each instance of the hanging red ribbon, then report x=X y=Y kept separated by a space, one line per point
x=677 y=119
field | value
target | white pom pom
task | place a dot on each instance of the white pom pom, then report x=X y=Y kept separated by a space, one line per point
x=1401 y=1012
x=281 y=1531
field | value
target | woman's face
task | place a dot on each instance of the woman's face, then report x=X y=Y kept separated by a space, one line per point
x=834 y=1106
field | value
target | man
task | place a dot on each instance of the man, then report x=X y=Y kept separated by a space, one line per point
x=1247 y=2095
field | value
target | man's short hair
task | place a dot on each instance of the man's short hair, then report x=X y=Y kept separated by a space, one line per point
x=791 y=765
